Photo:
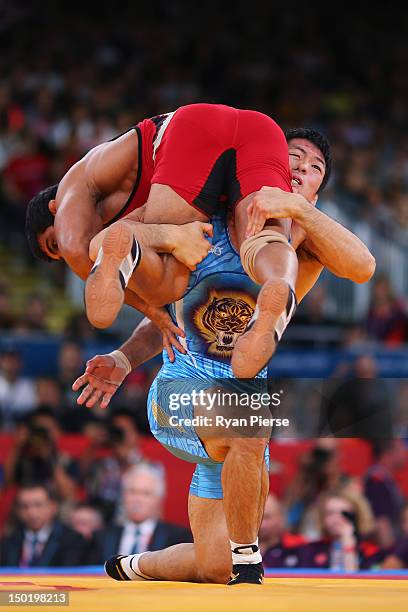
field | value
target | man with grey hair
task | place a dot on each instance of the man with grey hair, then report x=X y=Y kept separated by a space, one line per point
x=143 y=493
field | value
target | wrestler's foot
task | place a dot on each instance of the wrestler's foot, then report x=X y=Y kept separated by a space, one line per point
x=257 y=345
x=125 y=567
x=247 y=573
x=117 y=259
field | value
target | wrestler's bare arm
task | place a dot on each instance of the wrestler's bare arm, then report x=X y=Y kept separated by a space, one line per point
x=144 y=344
x=76 y=221
x=105 y=373
x=103 y=377
x=106 y=169
x=309 y=271
x=335 y=247
x=189 y=243
x=162 y=279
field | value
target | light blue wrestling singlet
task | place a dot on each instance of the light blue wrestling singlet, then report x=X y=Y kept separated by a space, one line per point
x=214 y=312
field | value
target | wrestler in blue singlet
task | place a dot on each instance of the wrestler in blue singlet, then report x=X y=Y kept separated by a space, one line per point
x=215 y=309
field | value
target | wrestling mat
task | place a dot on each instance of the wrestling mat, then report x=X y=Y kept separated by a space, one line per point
x=296 y=591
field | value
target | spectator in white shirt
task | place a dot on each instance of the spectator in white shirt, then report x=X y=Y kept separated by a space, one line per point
x=18 y=394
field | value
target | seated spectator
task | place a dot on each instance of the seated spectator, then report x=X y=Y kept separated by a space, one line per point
x=346 y=523
x=78 y=326
x=317 y=308
x=35 y=315
x=70 y=361
x=40 y=540
x=358 y=406
x=387 y=319
x=354 y=336
x=25 y=172
x=404 y=520
x=318 y=474
x=86 y=520
x=134 y=393
x=278 y=547
x=103 y=476
x=70 y=366
x=49 y=394
x=143 y=493
x=44 y=418
x=401 y=411
x=382 y=490
x=124 y=421
x=35 y=457
x=398 y=558
x=98 y=447
x=17 y=393
x=7 y=317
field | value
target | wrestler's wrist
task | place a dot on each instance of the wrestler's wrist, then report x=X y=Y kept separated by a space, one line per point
x=172 y=238
x=122 y=359
x=301 y=208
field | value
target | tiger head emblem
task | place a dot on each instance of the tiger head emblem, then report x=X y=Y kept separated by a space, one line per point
x=223 y=319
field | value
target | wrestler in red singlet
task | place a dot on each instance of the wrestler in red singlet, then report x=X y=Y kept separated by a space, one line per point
x=208 y=152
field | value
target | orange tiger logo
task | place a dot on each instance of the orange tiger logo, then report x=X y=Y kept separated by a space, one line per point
x=223 y=319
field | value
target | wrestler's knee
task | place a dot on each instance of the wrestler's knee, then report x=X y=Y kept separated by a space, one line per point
x=249 y=446
x=216 y=572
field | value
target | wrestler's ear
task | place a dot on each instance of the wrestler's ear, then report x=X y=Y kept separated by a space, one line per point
x=52 y=207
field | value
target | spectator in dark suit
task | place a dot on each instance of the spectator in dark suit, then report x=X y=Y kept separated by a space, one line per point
x=41 y=540
x=142 y=499
x=382 y=489
x=86 y=520
x=387 y=319
x=398 y=557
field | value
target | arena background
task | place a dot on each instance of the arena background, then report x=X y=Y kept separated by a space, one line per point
x=71 y=77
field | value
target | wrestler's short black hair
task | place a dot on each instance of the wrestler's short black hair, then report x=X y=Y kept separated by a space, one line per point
x=38 y=218
x=320 y=141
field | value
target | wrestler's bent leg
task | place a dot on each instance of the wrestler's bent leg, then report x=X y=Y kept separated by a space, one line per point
x=124 y=259
x=164 y=205
x=274 y=266
x=207 y=560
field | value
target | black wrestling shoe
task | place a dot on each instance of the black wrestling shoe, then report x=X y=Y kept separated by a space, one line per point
x=247 y=573
x=114 y=569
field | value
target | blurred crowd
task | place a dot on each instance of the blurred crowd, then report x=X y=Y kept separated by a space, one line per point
x=149 y=59
x=329 y=520
x=22 y=396
x=50 y=533
x=142 y=61
x=81 y=512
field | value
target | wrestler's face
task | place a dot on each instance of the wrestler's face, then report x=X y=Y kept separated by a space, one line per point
x=307 y=165
x=48 y=243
